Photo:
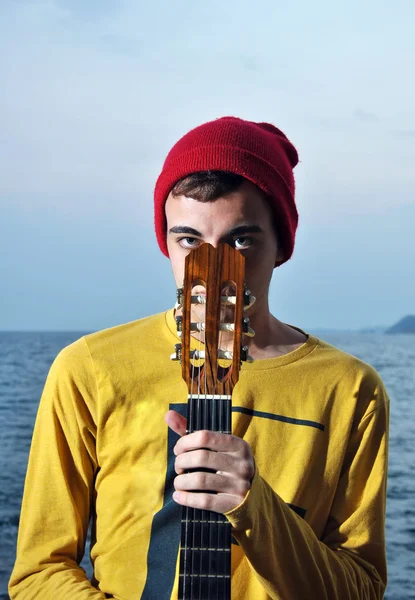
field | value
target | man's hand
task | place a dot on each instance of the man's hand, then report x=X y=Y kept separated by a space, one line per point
x=227 y=455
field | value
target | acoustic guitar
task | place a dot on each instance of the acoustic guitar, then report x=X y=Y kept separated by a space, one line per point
x=210 y=322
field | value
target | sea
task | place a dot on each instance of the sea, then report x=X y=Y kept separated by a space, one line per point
x=25 y=359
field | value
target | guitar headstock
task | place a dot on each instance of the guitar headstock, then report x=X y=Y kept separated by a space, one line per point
x=210 y=319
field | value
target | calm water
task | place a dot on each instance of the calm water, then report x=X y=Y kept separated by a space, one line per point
x=24 y=362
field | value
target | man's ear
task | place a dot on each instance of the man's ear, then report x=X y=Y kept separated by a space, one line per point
x=279 y=257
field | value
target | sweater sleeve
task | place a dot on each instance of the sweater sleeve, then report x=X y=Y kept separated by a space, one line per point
x=348 y=562
x=59 y=486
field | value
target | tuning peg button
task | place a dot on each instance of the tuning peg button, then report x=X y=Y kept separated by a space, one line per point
x=177 y=355
x=179 y=324
x=249 y=299
x=245 y=356
x=179 y=297
x=245 y=327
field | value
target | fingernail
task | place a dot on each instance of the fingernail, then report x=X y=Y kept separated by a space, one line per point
x=176 y=496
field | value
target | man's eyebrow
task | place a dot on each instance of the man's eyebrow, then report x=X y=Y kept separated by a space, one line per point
x=241 y=229
x=184 y=229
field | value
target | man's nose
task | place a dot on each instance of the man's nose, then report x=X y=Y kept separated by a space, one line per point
x=214 y=242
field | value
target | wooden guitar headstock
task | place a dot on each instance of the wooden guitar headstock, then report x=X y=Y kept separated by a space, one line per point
x=218 y=274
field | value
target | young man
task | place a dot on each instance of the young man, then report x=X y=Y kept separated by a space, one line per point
x=302 y=480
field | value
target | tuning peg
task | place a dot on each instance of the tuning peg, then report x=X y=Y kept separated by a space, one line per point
x=225 y=354
x=179 y=297
x=249 y=299
x=198 y=326
x=197 y=354
x=245 y=327
x=245 y=356
x=226 y=327
x=177 y=354
x=199 y=299
x=179 y=326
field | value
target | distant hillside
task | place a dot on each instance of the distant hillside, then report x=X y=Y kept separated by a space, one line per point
x=405 y=325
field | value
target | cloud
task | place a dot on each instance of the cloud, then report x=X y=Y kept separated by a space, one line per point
x=365 y=115
x=404 y=133
x=94 y=95
x=250 y=63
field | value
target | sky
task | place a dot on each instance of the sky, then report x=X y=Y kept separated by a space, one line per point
x=95 y=93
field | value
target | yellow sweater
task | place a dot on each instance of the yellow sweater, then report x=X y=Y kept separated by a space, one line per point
x=312 y=525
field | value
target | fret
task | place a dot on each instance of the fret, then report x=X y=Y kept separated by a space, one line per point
x=205 y=521
x=227 y=431
x=207 y=549
x=213 y=576
x=210 y=396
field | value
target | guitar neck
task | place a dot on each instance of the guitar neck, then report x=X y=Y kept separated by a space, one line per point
x=205 y=553
x=211 y=373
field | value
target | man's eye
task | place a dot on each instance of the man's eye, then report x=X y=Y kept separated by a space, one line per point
x=242 y=242
x=189 y=242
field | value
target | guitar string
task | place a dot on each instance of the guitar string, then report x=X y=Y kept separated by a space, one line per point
x=190 y=428
x=226 y=528
x=195 y=581
x=226 y=561
x=228 y=429
x=214 y=553
x=195 y=425
x=190 y=525
x=236 y=339
x=221 y=527
x=199 y=424
x=210 y=406
x=205 y=425
x=222 y=555
x=221 y=429
x=221 y=402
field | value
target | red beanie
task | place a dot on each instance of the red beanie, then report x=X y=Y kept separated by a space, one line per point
x=258 y=151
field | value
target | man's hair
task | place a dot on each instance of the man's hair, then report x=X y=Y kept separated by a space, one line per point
x=206 y=186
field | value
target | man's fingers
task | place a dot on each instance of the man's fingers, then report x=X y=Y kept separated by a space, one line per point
x=201 y=459
x=211 y=482
x=176 y=422
x=233 y=465
x=212 y=440
x=220 y=503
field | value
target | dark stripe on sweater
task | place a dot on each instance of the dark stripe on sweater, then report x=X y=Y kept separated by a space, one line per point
x=297 y=509
x=165 y=531
x=274 y=417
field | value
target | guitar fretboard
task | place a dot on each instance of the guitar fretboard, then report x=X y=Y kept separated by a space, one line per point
x=205 y=553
